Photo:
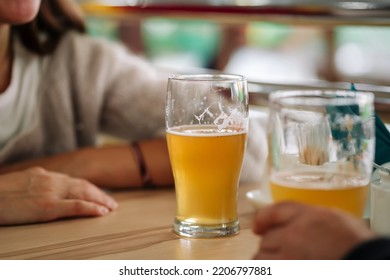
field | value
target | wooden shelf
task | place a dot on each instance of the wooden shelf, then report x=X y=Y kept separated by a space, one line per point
x=291 y=12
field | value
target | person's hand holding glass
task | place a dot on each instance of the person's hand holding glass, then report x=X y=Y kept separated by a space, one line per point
x=207 y=124
x=321 y=148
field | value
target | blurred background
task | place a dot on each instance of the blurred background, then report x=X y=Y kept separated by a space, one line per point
x=267 y=52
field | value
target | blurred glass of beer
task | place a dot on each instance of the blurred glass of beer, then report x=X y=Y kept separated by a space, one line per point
x=321 y=147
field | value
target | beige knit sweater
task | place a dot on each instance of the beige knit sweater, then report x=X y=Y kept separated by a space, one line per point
x=92 y=86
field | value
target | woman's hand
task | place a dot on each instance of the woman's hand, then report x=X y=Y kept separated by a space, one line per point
x=297 y=231
x=36 y=195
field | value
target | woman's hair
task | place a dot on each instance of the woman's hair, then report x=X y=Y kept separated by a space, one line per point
x=54 y=19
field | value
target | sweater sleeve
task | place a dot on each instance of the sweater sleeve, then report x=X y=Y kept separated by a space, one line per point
x=375 y=249
x=134 y=107
x=117 y=92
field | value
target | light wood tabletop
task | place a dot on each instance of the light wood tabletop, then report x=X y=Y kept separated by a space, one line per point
x=140 y=229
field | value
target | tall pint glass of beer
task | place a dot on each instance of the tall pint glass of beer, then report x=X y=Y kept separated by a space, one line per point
x=322 y=147
x=206 y=125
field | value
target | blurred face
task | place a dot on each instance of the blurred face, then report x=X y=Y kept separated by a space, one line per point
x=18 y=11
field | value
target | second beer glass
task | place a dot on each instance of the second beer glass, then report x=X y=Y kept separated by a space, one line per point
x=322 y=147
x=207 y=124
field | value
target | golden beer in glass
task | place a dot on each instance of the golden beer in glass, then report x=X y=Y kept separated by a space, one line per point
x=321 y=148
x=206 y=152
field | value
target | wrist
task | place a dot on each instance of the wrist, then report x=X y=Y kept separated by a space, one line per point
x=141 y=163
x=157 y=162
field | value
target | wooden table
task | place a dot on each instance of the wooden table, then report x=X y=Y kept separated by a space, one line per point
x=141 y=228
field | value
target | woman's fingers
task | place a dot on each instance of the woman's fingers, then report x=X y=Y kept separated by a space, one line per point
x=77 y=208
x=82 y=189
x=37 y=195
x=61 y=186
